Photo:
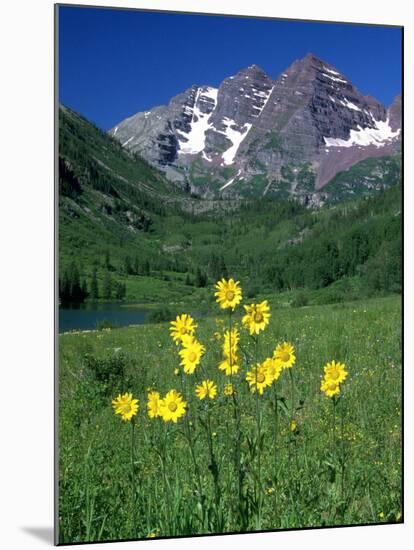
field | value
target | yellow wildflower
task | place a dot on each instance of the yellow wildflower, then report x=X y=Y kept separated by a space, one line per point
x=125 y=405
x=228 y=293
x=274 y=368
x=335 y=372
x=191 y=354
x=154 y=404
x=285 y=353
x=330 y=387
x=259 y=378
x=183 y=325
x=257 y=317
x=172 y=406
x=207 y=388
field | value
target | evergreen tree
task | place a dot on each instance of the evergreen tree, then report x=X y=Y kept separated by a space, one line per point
x=107 y=286
x=94 y=289
x=136 y=265
x=128 y=266
x=200 y=278
x=107 y=260
x=120 y=290
x=146 y=268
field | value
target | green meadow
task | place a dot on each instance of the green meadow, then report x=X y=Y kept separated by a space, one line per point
x=315 y=463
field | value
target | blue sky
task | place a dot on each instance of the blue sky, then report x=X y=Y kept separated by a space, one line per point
x=114 y=63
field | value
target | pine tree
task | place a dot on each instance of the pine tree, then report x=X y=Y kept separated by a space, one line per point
x=120 y=290
x=146 y=268
x=200 y=278
x=136 y=265
x=107 y=260
x=94 y=289
x=128 y=266
x=107 y=286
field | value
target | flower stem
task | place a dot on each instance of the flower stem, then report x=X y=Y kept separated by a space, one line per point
x=214 y=472
x=239 y=504
x=259 y=447
x=134 y=488
x=275 y=442
x=194 y=459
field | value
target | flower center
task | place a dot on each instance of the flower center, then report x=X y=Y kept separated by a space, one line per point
x=183 y=330
x=192 y=356
x=260 y=377
x=229 y=295
x=332 y=386
x=285 y=356
x=258 y=317
x=172 y=406
x=334 y=374
x=126 y=408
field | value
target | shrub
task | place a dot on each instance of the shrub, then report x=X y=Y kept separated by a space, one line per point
x=161 y=315
x=300 y=300
x=108 y=371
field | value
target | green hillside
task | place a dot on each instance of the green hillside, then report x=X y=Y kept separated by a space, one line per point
x=127 y=233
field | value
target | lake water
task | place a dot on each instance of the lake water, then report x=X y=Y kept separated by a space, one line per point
x=87 y=316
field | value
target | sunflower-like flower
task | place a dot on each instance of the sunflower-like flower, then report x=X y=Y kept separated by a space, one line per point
x=125 y=405
x=231 y=342
x=335 y=372
x=229 y=390
x=172 y=407
x=183 y=325
x=230 y=361
x=285 y=354
x=274 y=367
x=191 y=354
x=228 y=293
x=207 y=388
x=259 y=378
x=228 y=367
x=154 y=404
x=330 y=387
x=257 y=317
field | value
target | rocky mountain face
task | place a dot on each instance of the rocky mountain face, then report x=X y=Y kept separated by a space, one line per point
x=257 y=136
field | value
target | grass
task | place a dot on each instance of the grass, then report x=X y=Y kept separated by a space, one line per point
x=321 y=476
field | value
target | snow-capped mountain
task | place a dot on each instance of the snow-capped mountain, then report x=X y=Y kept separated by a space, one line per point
x=261 y=136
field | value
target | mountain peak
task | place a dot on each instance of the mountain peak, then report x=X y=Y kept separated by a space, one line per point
x=253 y=70
x=257 y=126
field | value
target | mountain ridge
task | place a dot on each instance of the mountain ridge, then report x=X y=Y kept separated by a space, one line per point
x=222 y=141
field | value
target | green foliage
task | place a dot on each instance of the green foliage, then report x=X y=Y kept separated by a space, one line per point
x=161 y=315
x=274 y=142
x=301 y=299
x=71 y=288
x=363 y=178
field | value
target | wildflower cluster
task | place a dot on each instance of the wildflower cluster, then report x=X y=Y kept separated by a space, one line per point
x=334 y=374
x=169 y=408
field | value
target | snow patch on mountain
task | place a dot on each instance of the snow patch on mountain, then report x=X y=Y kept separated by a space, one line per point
x=331 y=71
x=262 y=95
x=127 y=141
x=196 y=137
x=350 y=105
x=235 y=136
x=334 y=78
x=378 y=136
x=230 y=181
